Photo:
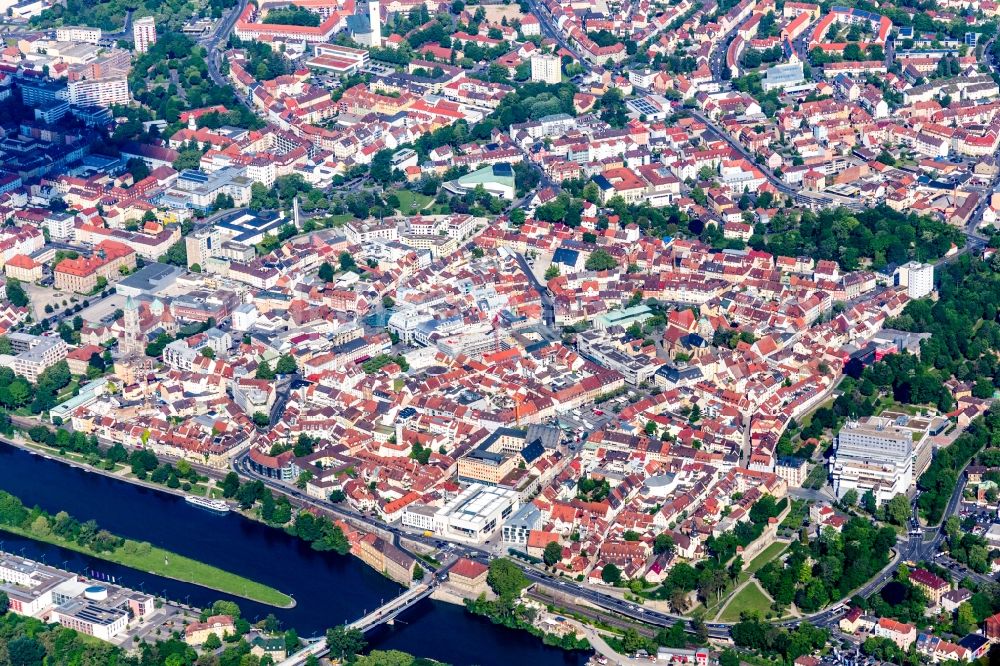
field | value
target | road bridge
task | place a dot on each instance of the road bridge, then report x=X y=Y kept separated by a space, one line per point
x=316 y=647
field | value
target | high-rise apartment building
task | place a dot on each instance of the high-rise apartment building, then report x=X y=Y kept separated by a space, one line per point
x=917 y=278
x=98 y=92
x=546 y=67
x=144 y=33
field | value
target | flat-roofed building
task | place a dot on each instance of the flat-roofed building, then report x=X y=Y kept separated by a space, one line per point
x=546 y=67
x=33 y=354
x=873 y=454
x=476 y=513
x=519 y=525
x=91 y=618
x=78 y=33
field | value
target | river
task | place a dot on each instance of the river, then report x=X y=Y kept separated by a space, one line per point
x=328 y=589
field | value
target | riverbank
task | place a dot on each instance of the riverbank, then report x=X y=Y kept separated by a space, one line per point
x=134 y=554
x=328 y=590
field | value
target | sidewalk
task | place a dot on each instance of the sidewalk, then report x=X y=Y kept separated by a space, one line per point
x=602 y=648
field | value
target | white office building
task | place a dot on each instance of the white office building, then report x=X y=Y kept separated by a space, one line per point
x=33 y=354
x=476 y=513
x=419 y=516
x=873 y=454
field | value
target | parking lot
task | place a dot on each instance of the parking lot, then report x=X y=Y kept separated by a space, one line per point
x=102 y=311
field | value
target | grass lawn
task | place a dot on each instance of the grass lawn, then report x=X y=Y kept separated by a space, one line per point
x=411 y=202
x=750 y=599
x=795 y=517
x=164 y=563
x=807 y=419
x=769 y=553
x=816 y=478
x=340 y=220
x=67 y=392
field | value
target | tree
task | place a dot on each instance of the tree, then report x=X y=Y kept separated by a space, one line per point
x=663 y=544
x=175 y=255
x=674 y=637
x=418 y=572
x=347 y=262
x=736 y=568
x=212 y=642
x=230 y=484
x=600 y=260
x=897 y=510
x=868 y=502
x=965 y=619
x=264 y=371
x=611 y=574
x=552 y=553
x=850 y=499
x=261 y=420
x=345 y=643
x=25 y=651
x=729 y=658
x=631 y=641
x=552 y=271
x=138 y=168
x=325 y=272
x=286 y=365
x=4 y=603
x=208 y=352
x=506 y=579
x=16 y=294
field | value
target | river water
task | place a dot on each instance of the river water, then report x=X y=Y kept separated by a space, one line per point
x=328 y=589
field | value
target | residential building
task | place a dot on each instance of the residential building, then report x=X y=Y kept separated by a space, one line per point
x=103 y=92
x=383 y=556
x=932 y=585
x=144 y=33
x=216 y=625
x=469 y=577
x=546 y=67
x=916 y=277
x=900 y=633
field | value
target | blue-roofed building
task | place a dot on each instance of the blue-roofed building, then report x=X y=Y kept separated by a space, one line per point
x=571 y=259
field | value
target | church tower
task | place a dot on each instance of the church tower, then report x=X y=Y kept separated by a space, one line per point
x=131 y=341
x=375 y=22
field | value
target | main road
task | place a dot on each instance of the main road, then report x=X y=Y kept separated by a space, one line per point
x=552 y=30
x=779 y=185
x=915 y=548
x=216 y=41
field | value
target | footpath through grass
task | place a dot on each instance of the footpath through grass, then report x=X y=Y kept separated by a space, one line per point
x=154 y=560
x=750 y=599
